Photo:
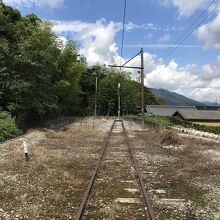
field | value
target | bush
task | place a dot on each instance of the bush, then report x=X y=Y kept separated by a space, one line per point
x=172 y=121
x=164 y=121
x=186 y=124
x=8 y=127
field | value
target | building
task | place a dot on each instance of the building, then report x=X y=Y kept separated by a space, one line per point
x=166 y=110
x=205 y=117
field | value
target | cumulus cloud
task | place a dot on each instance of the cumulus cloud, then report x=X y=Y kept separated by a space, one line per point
x=200 y=83
x=97 y=39
x=98 y=44
x=37 y=3
x=185 y=7
x=172 y=78
x=165 y=38
x=206 y=94
x=209 y=34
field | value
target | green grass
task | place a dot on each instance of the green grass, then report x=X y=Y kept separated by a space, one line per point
x=8 y=128
x=186 y=124
x=164 y=121
x=171 y=121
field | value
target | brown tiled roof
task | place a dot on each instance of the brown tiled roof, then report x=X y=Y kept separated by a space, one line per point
x=199 y=115
x=166 y=110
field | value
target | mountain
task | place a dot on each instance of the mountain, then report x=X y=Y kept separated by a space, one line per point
x=212 y=103
x=173 y=98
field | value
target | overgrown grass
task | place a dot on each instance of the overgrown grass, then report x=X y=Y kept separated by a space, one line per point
x=8 y=127
x=164 y=121
x=186 y=124
x=171 y=121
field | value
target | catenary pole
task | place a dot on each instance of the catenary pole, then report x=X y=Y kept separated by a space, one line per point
x=96 y=92
x=119 y=101
x=142 y=87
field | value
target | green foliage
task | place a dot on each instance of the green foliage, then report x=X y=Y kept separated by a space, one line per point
x=129 y=92
x=172 y=121
x=8 y=128
x=87 y=84
x=164 y=121
x=186 y=124
x=41 y=78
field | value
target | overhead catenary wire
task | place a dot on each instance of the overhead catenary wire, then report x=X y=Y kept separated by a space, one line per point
x=196 y=27
x=190 y=26
x=123 y=30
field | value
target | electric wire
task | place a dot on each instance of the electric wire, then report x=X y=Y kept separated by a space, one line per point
x=123 y=31
x=197 y=26
x=190 y=26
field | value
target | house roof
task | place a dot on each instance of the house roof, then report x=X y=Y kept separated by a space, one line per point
x=199 y=115
x=166 y=110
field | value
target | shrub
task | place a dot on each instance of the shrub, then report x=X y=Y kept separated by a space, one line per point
x=164 y=121
x=186 y=124
x=8 y=127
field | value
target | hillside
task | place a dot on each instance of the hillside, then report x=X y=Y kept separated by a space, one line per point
x=172 y=98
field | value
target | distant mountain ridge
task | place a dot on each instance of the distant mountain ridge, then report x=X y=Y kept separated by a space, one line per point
x=173 y=98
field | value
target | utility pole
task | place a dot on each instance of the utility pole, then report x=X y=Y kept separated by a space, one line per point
x=142 y=87
x=119 y=100
x=96 y=91
x=142 y=81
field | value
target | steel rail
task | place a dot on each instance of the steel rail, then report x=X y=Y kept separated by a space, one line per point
x=147 y=201
x=93 y=177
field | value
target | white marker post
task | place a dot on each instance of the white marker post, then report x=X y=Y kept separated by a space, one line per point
x=26 y=150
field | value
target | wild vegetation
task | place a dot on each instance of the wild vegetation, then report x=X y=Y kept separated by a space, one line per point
x=8 y=128
x=166 y=122
x=42 y=78
x=171 y=121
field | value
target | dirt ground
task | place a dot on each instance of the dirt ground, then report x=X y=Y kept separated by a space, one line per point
x=183 y=179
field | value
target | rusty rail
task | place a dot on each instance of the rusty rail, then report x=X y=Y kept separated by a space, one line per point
x=93 y=177
x=149 y=212
x=146 y=198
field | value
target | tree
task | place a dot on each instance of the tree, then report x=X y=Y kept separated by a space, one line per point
x=39 y=75
x=87 y=84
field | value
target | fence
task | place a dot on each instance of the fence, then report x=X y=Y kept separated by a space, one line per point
x=148 y=124
x=62 y=122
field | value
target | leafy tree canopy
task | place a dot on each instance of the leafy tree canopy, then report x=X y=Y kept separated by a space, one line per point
x=42 y=78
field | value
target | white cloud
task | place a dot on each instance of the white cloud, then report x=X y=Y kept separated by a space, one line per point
x=165 y=38
x=209 y=34
x=206 y=94
x=185 y=7
x=98 y=44
x=62 y=41
x=37 y=3
x=202 y=84
x=97 y=39
x=148 y=26
x=172 y=78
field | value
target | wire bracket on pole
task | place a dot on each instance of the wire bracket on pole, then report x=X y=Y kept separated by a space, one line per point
x=131 y=67
x=131 y=59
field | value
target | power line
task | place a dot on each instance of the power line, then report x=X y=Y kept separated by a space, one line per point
x=197 y=26
x=190 y=26
x=123 y=31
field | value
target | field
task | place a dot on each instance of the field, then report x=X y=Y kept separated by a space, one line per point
x=182 y=177
x=208 y=124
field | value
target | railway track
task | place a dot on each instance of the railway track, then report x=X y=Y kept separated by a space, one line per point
x=116 y=182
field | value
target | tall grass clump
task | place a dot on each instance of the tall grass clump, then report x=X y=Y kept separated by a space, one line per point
x=8 y=128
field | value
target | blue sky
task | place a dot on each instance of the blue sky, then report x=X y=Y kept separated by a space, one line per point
x=192 y=70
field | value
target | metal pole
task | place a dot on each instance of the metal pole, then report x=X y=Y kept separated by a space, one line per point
x=142 y=88
x=119 y=100
x=96 y=89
